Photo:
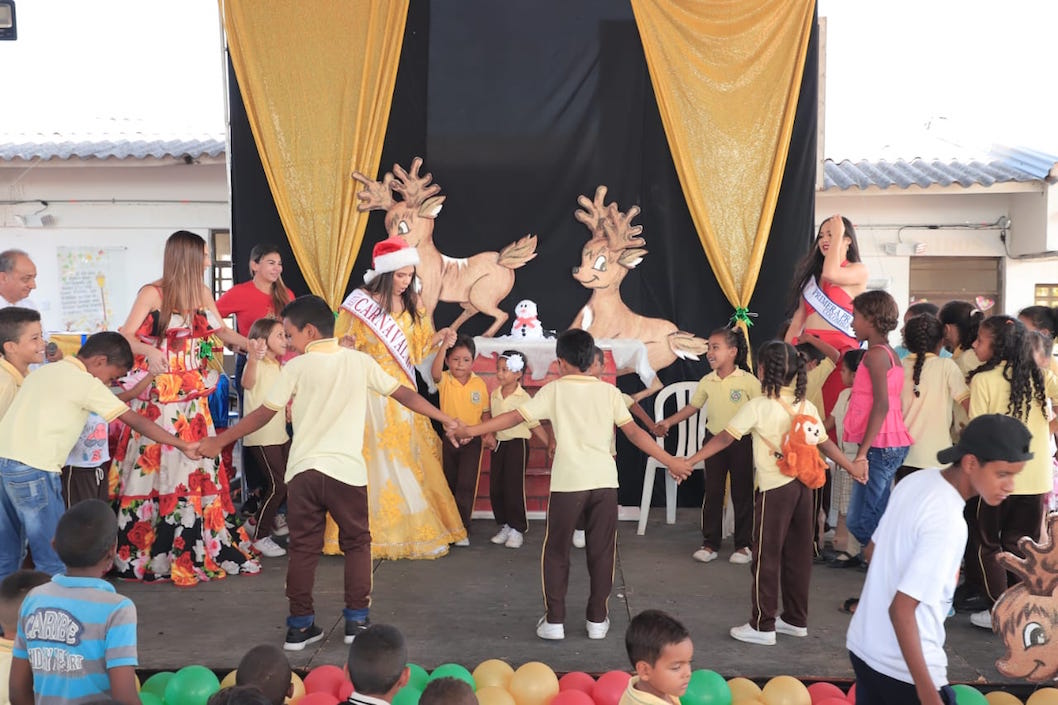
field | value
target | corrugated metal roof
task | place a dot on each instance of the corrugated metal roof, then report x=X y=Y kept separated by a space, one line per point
x=134 y=145
x=1007 y=164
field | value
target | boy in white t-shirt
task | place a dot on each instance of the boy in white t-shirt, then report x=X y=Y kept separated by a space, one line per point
x=896 y=637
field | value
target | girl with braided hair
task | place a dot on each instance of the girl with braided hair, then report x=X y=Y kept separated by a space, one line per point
x=931 y=384
x=782 y=511
x=961 y=320
x=1008 y=382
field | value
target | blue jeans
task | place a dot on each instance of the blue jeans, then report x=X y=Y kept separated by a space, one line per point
x=30 y=507
x=868 y=502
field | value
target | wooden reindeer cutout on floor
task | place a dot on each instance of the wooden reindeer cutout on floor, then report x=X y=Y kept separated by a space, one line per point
x=614 y=249
x=1026 y=615
x=477 y=283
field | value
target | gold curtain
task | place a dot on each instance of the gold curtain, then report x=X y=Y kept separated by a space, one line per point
x=317 y=79
x=727 y=74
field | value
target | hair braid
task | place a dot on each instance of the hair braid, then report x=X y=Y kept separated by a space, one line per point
x=779 y=365
x=922 y=335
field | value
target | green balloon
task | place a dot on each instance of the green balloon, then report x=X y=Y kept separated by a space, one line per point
x=968 y=695
x=155 y=685
x=407 y=696
x=191 y=685
x=417 y=676
x=150 y=698
x=707 y=688
x=453 y=670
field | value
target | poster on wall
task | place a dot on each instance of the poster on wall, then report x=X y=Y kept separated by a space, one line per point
x=86 y=278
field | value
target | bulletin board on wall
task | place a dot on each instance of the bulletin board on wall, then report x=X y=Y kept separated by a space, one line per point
x=87 y=279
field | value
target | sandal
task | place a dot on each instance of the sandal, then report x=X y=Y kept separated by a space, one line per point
x=843 y=559
x=849 y=605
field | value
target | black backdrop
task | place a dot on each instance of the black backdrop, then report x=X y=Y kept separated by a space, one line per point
x=519 y=108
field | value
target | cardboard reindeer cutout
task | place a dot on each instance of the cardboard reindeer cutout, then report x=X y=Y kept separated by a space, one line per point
x=615 y=248
x=477 y=283
x=1026 y=615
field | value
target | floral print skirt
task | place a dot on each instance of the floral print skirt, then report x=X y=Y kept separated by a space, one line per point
x=174 y=513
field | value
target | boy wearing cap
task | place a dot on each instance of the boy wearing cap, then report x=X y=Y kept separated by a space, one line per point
x=896 y=637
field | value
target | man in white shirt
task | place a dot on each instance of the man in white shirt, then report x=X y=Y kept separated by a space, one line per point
x=18 y=277
x=896 y=637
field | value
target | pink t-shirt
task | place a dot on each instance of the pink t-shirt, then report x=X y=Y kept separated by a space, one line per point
x=893 y=433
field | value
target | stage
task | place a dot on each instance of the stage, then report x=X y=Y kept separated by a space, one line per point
x=484 y=601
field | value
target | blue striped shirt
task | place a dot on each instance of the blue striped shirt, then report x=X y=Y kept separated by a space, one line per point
x=72 y=630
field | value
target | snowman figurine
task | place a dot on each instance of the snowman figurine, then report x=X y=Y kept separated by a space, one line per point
x=526 y=325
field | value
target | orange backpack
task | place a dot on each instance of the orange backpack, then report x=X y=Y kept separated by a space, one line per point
x=799 y=457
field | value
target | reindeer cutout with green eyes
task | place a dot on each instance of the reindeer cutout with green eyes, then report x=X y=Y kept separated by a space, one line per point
x=615 y=248
x=1026 y=615
x=477 y=283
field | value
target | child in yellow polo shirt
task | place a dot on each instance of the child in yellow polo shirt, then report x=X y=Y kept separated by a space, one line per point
x=661 y=650
x=40 y=429
x=583 y=411
x=21 y=345
x=326 y=471
x=464 y=396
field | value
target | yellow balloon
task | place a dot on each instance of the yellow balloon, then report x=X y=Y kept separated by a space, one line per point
x=493 y=672
x=229 y=680
x=1043 y=696
x=743 y=688
x=534 y=683
x=137 y=681
x=786 y=690
x=998 y=697
x=298 y=687
x=494 y=695
x=754 y=700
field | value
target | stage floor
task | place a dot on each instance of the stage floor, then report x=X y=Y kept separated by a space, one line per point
x=484 y=601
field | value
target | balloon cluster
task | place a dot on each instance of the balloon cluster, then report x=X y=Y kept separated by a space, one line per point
x=496 y=683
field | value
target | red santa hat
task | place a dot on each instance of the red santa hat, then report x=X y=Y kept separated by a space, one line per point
x=391 y=254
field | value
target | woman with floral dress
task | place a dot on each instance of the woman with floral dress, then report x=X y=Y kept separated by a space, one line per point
x=174 y=513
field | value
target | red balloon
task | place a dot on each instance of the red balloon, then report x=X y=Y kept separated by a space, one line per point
x=824 y=691
x=576 y=680
x=610 y=687
x=831 y=701
x=851 y=697
x=572 y=697
x=318 y=699
x=326 y=679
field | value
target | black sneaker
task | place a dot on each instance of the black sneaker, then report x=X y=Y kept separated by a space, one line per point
x=298 y=639
x=354 y=628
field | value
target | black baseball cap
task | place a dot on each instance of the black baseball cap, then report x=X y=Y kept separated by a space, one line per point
x=991 y=437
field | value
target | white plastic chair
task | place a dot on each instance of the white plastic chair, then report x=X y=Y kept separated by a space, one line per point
x=689 y=435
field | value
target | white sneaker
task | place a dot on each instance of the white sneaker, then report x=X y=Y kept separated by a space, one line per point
x=501 y=535
x=547 y=630
x=268 y=547
x=598 y=630
x=741 y=557
x=750 y=635
x=279 y=526
x=704 y=555
x=788 y=629
x=462 y=542
x=578 y=538
x=515 y=539
x=982 y=619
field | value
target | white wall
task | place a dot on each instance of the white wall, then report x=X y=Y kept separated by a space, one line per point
x=131 y=204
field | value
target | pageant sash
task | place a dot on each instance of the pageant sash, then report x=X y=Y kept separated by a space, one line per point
x=367 y=310
x=831 y=312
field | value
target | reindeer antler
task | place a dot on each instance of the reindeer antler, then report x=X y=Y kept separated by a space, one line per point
x=1039 y=568
x=593 y=211
x=415 y=189
x=376 y=196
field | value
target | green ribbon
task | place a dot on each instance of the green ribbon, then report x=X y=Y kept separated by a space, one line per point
x=205 y=350
x=743 y=315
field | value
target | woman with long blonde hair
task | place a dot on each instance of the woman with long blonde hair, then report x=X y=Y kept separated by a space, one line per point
x=173 y=513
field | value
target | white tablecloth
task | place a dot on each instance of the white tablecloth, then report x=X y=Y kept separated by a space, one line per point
x=628 y=354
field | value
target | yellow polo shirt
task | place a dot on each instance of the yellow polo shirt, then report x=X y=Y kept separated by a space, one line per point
x=990 y=394
x=273 y=433
x=466 y=402
x=501 y=405
x=330 y=385
x=768 y=418
x=10 y=381
x=968 y=362
x=929 y=416
x=635 y=696
x=725 y=396
x=46 y=418
x=583 y=411
x=817 y=376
